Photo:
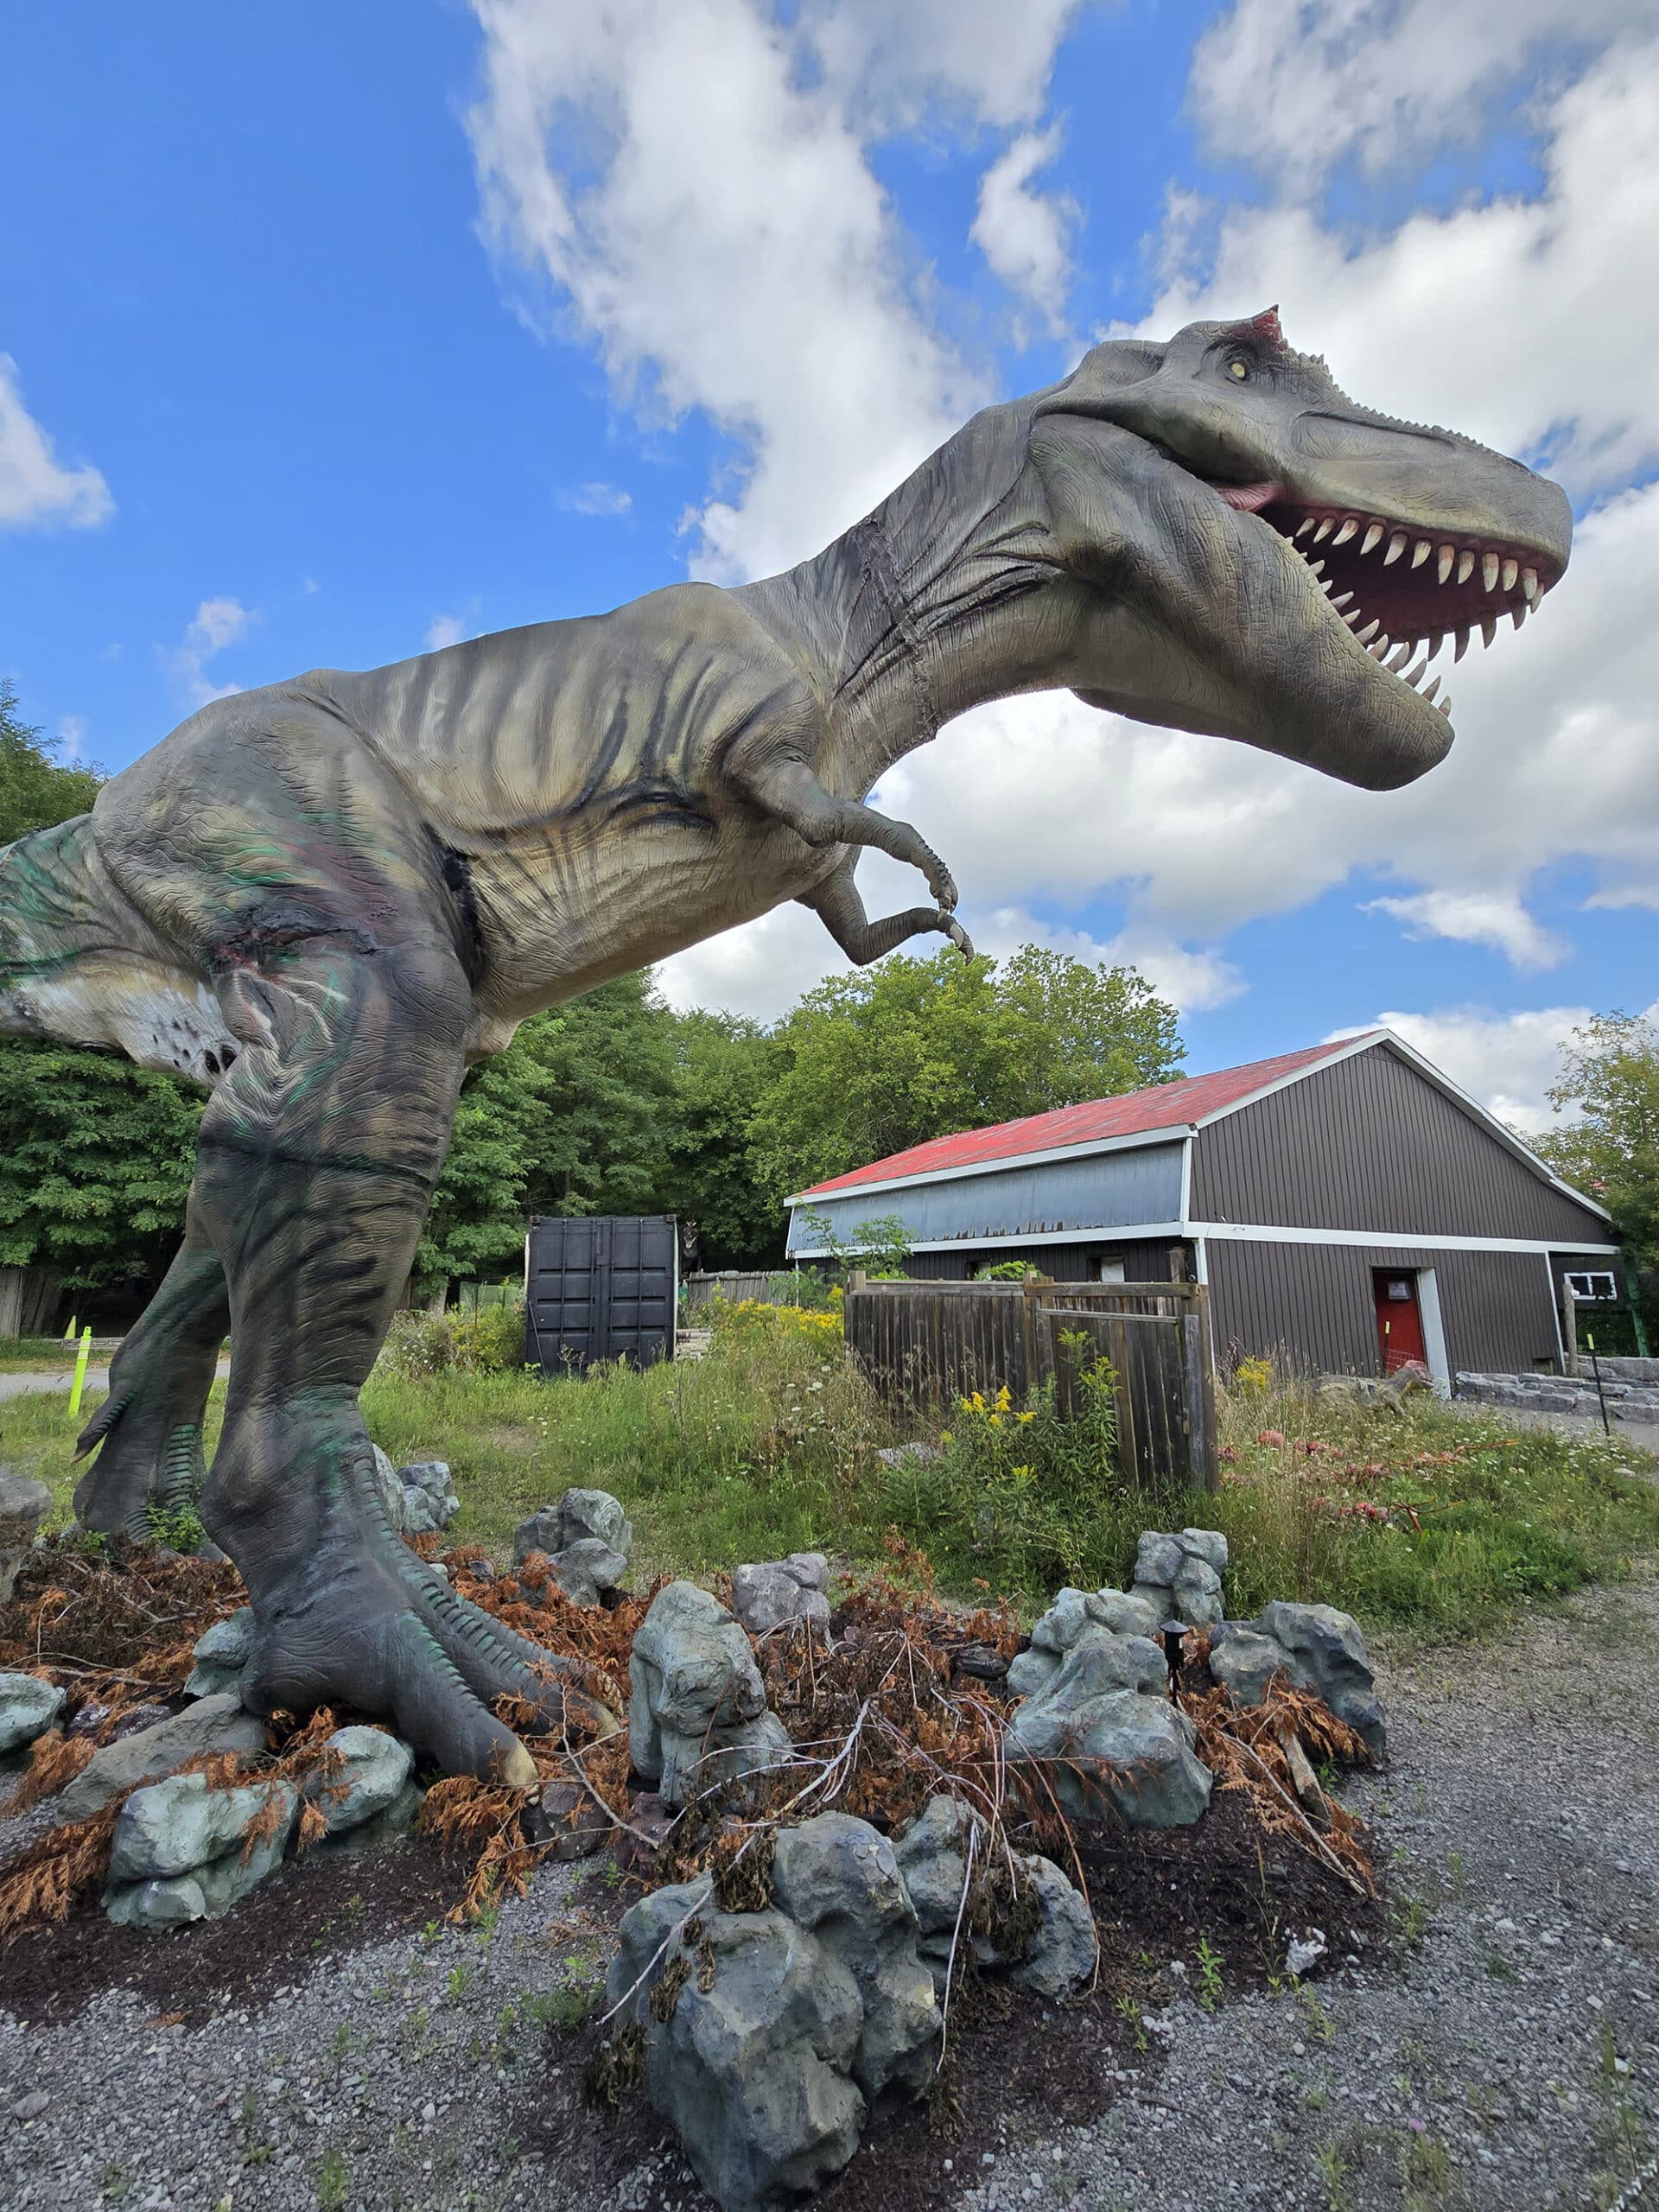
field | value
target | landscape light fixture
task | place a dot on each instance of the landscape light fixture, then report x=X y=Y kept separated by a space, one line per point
x=1171 y=1633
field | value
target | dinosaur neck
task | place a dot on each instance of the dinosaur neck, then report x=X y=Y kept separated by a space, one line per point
x=922 y=610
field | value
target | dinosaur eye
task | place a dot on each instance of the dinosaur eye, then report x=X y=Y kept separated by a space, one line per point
x=1239 y=369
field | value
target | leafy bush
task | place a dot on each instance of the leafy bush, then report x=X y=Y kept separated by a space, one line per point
x=490 y=1341
x=1010 y=1271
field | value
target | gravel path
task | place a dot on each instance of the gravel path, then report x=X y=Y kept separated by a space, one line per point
x=1508 y=2063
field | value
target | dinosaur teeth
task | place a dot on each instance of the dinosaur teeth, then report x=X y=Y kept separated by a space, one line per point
x=1340 y=603
x=1518 y=614
x=1316 y=567
x=1511 y=570
x=1489 y=571
x=1529 y=585
x=1435 y=642
x=1465 y=565
x=1377 y=650
x=1420 y=553
x=1463 y=644
x=1396 y=546
x=1447 y=557
x=1343 y=536
x=1304 y=526
x=1370 y=630
x=1488 y=628
x=1351 y=619
x=1429 y=690
x=1401 y=657
x=1371 y=536
x=1414 y=677
x=1445 y=706
x=1324 y=528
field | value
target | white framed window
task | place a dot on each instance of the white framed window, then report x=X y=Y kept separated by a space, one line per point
x=1592 y=1283
x=1108 y=1271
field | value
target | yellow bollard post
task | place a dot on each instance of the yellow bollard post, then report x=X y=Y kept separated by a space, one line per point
x=69 y=1333
x=79 y=1383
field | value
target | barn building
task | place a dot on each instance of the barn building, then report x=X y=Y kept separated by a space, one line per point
x=1348 y=1206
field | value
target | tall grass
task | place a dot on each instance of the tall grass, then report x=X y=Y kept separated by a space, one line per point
x=1422 y=1516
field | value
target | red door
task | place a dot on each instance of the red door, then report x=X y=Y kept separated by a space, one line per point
x=1399 y=1320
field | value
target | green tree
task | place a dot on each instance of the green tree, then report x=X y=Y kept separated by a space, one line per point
x=95 y=1154
x=871 y=1063
x=713 y=1172
x=1610 y=1079
x=35 y=792
x=95 y=1163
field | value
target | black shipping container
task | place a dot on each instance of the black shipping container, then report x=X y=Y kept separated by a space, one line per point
x=600 y=1286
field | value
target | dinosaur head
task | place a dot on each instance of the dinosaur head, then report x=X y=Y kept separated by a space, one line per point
x=1294 y=562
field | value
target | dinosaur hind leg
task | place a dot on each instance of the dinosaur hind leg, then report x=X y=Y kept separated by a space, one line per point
x=148 y=1433
x=316 y=1165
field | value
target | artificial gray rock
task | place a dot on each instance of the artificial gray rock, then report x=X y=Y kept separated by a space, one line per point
x=1074 y=1615
x=28 y=1707
x=1106 y=1730
x=697 y=1713
x=1319 y=1648
x=382 y=1828
x=837 y=1876
x=221 y=1655
x=754 y=2071
x=931 y=1856
x=176 y=1826
x=586 y=1569
x=1180 y=1576
x=778 y=1592
x=430 y=1496
x=372 y=1774
x=566 y=1817
x=390 y=1490
x=1061 y=1957
x=24 y=1503
x=212 y=1724
x=172 y=1818
x=586 y=1538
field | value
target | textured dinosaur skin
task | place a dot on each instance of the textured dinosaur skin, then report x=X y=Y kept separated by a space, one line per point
x=321 y=900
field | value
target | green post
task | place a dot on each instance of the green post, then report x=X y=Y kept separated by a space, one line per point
x=80 y=1382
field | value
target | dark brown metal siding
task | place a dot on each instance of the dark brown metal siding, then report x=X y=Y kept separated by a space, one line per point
x=1368 y=1144
x=1312 y=1307
x=1065 y=1262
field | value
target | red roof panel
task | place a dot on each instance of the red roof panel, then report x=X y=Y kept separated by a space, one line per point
x=1159 y=1106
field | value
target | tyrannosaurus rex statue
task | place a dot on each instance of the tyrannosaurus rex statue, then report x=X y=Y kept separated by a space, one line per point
x=321 y=900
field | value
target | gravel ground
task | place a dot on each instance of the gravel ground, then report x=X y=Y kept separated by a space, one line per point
x=1506 y=2061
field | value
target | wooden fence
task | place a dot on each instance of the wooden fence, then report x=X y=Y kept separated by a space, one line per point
x=930 y=1343
x=774 y=1285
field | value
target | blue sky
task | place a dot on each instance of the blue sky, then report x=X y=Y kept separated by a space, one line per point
x=327 y=344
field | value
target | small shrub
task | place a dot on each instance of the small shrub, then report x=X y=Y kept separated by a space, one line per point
x=489 y=1340
x=1010 y=1271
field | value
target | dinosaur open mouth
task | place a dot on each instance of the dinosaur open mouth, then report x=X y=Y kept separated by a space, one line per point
x=1403 y=591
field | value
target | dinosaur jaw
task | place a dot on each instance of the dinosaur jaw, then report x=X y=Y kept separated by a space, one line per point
x=1403 y=589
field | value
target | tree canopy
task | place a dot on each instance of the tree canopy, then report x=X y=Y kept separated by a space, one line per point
x=37 y=791
x=1610 y=1080
x=871 y=1063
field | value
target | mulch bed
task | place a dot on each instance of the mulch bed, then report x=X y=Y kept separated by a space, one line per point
x=309 y=1911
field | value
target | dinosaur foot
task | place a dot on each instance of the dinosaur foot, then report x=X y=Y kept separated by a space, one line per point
x=388 y=1636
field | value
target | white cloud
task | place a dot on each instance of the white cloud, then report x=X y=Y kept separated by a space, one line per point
x=36 y=489
x=72 y=738
x=597 y=499
x=1496 y=920
x=1293 y=90
x=693 y=176
x=444 y=630
x=1508 y=1061
x=216 y=625
x=1513 y=319
x=1026 y=236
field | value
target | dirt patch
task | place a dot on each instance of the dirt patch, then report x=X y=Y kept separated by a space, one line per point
x=314 y=1909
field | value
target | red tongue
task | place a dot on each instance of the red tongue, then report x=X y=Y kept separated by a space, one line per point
x=1249 y=498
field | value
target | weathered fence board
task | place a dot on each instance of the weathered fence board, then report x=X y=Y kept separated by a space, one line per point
x=928 y=1342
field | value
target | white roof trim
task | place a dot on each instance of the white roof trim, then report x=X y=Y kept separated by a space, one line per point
x=1004 y=1163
